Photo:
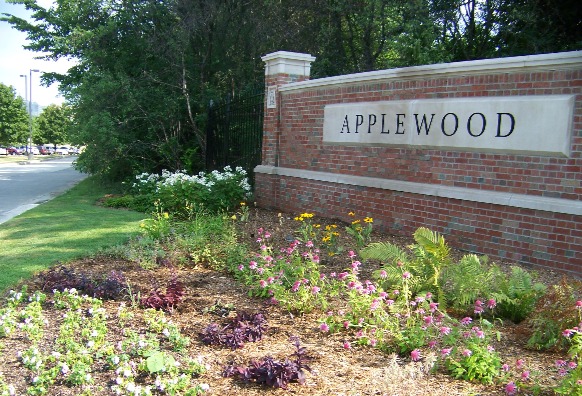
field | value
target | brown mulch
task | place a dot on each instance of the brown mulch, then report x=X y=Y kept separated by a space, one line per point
x=335 y=370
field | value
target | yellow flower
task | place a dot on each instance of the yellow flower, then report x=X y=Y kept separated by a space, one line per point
x=334 y=225
x=317 y=225
x=166 y=215
x=368 y=220
x=355 y=221
x=142 y=224
x=242 y=204
x=351 y=214
x=335 y=233
x=233 y=217
x=325 y=239
x=327 y=228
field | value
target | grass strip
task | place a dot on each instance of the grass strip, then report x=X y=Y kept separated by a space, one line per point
x=68 y=227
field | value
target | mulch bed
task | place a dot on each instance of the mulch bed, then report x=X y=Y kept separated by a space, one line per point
x=335 y=370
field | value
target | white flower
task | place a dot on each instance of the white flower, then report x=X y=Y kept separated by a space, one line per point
x=64 y=369
x=118 y=380
x=130 y=386
x=204 y=387
x=166 y=332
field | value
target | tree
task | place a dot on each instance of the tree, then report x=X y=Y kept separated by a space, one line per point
x=147 y=69
x=52 y=125
x=13 y=117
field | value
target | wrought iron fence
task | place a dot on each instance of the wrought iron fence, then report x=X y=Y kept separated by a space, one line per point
x=235 y=132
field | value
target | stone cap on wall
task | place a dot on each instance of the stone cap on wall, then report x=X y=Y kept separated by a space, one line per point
x=285 y=62
x=553 y=61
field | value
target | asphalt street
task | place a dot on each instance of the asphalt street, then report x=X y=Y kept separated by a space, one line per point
x=26 y=185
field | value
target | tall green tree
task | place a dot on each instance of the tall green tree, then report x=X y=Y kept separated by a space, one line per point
x=147 y=69
x=52 y=125
x=13 y=117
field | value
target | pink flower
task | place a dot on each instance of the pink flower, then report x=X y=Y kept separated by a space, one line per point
x=567 y=333
x=324 y=327
x=406 y=275
x=519 y=363
x=560 y=363
x=389 y=302
x=309 y=244
x=346 y=324
x=480 y=334
x=433 y=306
x=315 y=290
x=415 y=355
x=465 y=321
x=351 y=254
x=427 y=320
x=525 y=375
x=579 y=304
x=505 y=367
x=296 y=286
x=572 y=365
x=428 y=295
x=267 y=235
x=432 y=343
x=253 y=265
x=491 y=303
x=342 y=275
x=375 y=304
x=511 y=388
x=241 y=267
x=383 y=274
x=446 y=351
x=347 y=345
x=263 y=247
x=355 y=265
x=263 y=283
x=445 y=330
x=467 y=352
x=396 y=292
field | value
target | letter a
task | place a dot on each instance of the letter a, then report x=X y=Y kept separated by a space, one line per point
x=345 y=125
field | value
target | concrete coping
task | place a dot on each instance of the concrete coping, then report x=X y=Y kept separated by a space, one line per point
x=553 y=61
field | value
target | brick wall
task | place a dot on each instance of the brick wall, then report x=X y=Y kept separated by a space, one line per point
x=483 y=199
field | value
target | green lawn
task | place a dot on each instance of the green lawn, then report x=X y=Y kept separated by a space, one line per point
x=67 y=227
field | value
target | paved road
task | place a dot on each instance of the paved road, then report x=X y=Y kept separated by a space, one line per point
x=23 y=187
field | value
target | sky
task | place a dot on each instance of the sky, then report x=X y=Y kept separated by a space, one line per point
x=15 y=60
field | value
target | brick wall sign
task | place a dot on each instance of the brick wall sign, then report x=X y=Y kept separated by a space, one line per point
x=487 y=153
x=534 y=124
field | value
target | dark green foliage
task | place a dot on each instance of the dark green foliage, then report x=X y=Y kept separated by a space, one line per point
x=147 y=70
x=517 y=295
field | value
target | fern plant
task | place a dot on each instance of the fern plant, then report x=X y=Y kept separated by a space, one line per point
x=419 y=272
x=517 y=295
x=468 y=280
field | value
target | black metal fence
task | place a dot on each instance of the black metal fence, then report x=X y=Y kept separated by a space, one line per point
x=235 y=132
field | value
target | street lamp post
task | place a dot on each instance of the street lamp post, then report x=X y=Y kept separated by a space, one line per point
x=29 y=146
x=26 y=99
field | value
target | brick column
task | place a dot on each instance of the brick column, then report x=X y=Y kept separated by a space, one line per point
x=281 y=68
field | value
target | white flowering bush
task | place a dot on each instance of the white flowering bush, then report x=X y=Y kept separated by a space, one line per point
x=181 y=194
